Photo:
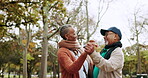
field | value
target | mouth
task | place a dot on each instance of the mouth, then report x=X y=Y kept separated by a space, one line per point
x=106 y=41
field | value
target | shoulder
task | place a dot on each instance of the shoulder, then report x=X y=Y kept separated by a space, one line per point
x=118 y=50
x=62 y=48
x=62 y=51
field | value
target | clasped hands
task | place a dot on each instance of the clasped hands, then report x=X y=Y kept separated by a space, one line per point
x=90 y=47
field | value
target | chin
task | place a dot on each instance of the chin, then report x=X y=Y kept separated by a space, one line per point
x=75 y=40
x=106 y=42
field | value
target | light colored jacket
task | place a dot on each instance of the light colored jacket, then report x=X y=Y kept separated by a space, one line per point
x=111 y=68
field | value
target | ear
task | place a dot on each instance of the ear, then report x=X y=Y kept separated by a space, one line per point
x=116 y=36
x=66 y=36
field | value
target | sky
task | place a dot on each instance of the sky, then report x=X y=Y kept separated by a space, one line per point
x=119 y=13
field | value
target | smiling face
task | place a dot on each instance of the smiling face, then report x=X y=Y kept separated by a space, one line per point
x=71 y=35
x=110 y=38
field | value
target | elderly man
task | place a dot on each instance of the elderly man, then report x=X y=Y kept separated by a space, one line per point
x=109 y=62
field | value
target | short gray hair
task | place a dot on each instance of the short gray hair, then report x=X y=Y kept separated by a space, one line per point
x=64 y=30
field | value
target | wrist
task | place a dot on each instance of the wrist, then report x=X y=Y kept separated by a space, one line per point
x=89 y=53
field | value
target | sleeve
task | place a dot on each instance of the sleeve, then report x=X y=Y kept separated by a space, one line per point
x=68 y=64
x=115 y=61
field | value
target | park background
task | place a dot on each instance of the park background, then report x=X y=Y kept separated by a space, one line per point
x=29 y=33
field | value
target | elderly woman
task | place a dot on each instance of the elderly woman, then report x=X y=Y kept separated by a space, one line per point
x=71 y=58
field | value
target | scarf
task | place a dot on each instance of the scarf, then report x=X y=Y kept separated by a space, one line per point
x=71 y=45
x=117 y=44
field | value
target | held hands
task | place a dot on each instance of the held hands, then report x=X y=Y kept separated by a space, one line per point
x=89 y=48
x=94 y=43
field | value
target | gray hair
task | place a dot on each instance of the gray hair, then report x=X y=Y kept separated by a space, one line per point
x=64 y=30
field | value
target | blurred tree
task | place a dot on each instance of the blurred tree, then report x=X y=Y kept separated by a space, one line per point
x=138 y=28
x=9 y=54
x=48 y=16
x=50 y=10
x=19 y=13
x=79 y=17
x=102 y=9
x=27 y=13
x=130 y=65
x=130 y=61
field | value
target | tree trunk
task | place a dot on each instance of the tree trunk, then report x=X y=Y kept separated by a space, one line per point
x=137 y=44
x=24 y=57
x=45 y=42
x=20 y=71
x=58 y=71
x=54 y=70
x=8 y=70
x=25 y=63
x=87 y=29
x=29 y=71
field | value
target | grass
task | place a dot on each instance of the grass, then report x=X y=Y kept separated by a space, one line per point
x=17 y=76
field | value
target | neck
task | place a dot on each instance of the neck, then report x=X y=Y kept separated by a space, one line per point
x=116 y=44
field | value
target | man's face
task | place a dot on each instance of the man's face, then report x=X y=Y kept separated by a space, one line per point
x=110 y=38
x=71 y=35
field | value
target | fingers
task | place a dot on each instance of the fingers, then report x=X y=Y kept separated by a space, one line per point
x=89 y=48
x=93 y=42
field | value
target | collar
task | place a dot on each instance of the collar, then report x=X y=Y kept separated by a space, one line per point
x=117 y=44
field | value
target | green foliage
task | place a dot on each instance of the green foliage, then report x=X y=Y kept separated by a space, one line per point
x=131 y=60
x=144 y=61
x=145 y=54
x=1 y=19
x=9 y=54
x=20 y=13
x=17 y=14
x=3 y=31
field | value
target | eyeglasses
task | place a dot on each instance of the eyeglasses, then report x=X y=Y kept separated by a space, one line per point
x=106 y=34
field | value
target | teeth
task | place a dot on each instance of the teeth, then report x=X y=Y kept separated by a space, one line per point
x=106 y=42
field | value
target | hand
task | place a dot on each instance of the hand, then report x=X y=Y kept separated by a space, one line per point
x=89 y=48
x=93 y=42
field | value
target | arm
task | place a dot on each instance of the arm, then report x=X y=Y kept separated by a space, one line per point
x=116 y=60
x=65 y=61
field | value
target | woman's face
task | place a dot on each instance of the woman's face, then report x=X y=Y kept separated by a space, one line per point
x=71 y=35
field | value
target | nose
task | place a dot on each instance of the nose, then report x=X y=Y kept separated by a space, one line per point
x=76 y=36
